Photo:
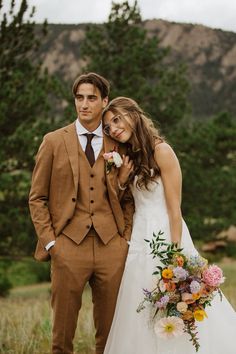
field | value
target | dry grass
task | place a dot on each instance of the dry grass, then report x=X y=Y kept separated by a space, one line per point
x=229 y=287
x=25 y=321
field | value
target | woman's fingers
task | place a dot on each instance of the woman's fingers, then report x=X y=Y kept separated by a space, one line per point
x=127 y=162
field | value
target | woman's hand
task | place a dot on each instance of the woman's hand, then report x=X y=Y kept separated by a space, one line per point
x=125 y=170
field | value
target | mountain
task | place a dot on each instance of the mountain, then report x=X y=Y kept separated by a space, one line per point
x=209 y=54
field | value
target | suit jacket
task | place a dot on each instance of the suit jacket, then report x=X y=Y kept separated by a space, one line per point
x=55 y=186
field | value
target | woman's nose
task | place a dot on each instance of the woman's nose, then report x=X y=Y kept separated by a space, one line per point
x=113 y=129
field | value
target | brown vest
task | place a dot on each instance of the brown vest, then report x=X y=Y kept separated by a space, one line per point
x=92 y=205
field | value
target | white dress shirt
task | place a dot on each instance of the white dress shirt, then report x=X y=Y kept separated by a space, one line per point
x=97 y=140
x=96 y=143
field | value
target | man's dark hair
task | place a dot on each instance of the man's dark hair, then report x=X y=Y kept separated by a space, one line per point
x=96 y=80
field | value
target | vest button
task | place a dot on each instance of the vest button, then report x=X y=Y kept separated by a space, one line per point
x=91 y=188
x=92 y=214
x=73 y=199
x=88 y=226
x=91 y=175
x=92 y=201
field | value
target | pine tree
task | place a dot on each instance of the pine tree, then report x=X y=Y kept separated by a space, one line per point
x=26 y=93
x=135 y=64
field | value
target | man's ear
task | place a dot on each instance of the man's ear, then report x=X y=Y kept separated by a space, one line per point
x=105 y=102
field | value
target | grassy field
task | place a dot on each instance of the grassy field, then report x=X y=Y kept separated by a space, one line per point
x=25 y=321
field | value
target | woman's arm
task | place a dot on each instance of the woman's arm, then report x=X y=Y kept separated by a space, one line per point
x=172 y=181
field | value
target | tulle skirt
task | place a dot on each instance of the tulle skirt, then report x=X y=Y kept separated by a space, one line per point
x=133 y=333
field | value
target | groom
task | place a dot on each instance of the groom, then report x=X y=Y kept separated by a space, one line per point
x=80 y=222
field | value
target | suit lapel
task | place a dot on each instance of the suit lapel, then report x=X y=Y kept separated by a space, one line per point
x=71 y=142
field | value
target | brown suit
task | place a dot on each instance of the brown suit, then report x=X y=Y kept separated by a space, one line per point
x=97 y=254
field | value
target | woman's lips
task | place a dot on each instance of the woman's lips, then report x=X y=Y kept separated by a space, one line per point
x=118 y=135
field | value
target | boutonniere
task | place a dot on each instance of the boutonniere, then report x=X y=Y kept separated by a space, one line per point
x=112 y=158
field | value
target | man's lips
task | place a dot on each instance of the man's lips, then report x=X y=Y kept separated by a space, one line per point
x=84 y=112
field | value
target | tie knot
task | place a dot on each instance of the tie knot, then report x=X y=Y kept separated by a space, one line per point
x=89 y=137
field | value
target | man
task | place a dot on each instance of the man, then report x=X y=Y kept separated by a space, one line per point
x=80 y=222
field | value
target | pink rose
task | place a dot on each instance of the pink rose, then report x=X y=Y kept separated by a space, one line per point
x=188 y=298
x=213 y=276
x=108 y=155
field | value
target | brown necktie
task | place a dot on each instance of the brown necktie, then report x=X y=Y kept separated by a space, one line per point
x=89 y=149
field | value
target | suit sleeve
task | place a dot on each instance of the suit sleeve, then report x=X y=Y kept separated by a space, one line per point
x=39 y=193
x=127 y=204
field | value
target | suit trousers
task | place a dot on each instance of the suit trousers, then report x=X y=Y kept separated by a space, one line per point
x=72 y=266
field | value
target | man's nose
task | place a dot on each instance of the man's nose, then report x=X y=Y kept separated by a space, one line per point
x=85 y=103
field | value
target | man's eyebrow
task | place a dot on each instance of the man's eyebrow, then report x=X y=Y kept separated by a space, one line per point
x=89 y=96
x=92 y=96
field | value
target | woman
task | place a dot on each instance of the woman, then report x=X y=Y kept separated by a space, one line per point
x=153 y=173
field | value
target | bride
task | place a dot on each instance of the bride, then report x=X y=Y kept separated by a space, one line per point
x=153 y=173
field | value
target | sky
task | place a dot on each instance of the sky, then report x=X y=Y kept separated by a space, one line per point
x=212 y=13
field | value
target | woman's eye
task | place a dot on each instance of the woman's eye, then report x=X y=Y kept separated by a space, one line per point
x=116 y=120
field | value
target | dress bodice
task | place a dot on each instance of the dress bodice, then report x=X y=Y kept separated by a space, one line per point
x=151 y=201
x=150 y=214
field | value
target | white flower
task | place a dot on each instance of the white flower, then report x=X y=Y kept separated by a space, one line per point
x=182 y=306
x=117 y=159
x=162 y=286
x=169 y=327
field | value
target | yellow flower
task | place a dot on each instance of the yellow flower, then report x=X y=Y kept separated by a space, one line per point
x=167 y=273
x=199 y=315
x=196 y=296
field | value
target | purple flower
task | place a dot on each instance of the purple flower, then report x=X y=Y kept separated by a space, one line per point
x=195 y=287
x=162 y=303
x=196 y=261
x=180 y=273
x=147 y=293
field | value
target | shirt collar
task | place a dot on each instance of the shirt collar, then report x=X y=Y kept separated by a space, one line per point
x=82 y=130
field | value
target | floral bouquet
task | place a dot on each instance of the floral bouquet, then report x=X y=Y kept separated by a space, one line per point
x=184 y=287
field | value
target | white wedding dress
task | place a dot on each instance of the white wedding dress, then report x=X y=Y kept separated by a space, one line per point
x=132 y=332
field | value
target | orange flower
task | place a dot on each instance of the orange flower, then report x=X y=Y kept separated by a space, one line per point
x=167 y=273
x=187 y=316
x=170 y=286
x=180 y=261
x=205 y=290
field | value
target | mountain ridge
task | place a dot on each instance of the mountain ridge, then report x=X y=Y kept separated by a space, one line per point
x=209 y=55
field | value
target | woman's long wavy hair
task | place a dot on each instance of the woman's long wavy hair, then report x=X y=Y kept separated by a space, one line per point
x=143 y=141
